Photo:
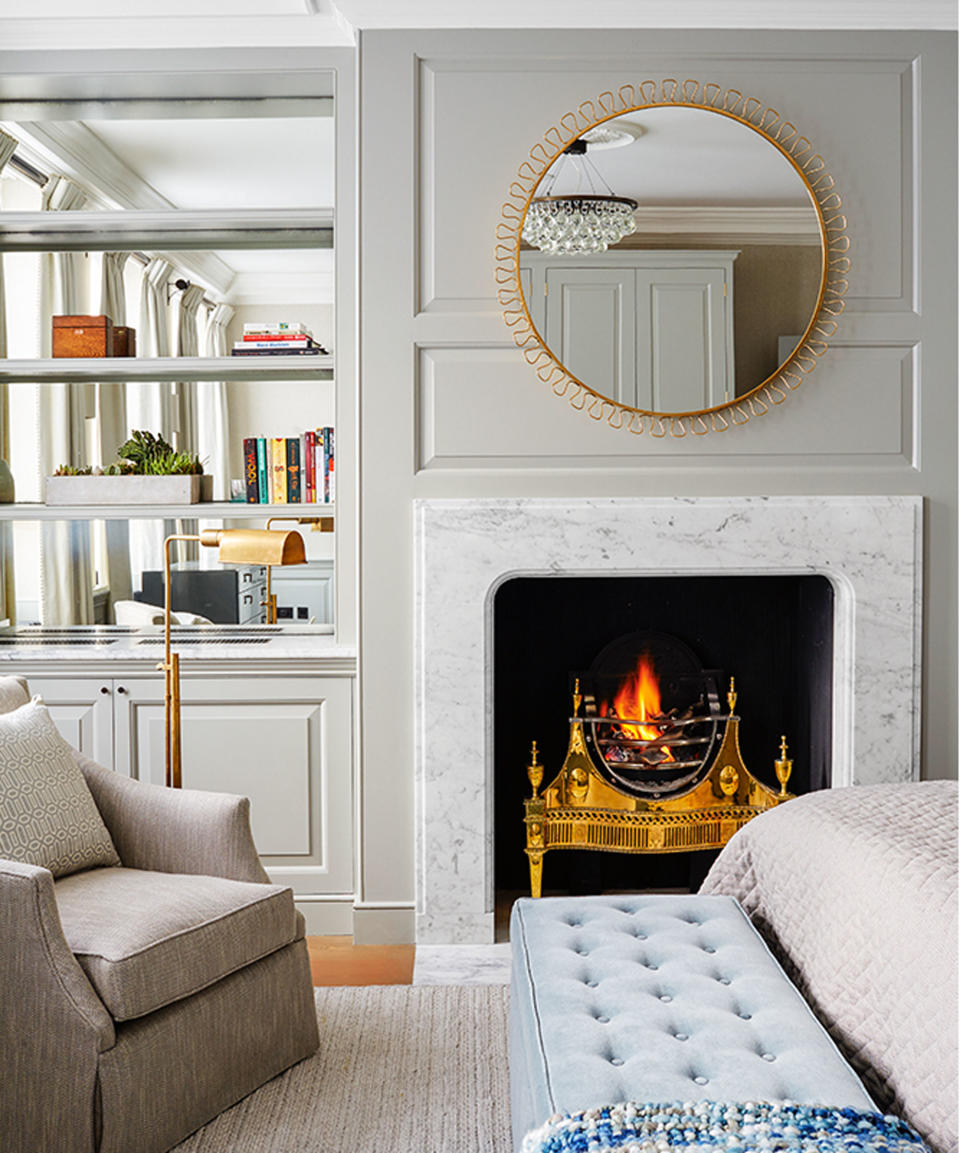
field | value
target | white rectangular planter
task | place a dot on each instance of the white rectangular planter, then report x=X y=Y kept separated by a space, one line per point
x=107 y=490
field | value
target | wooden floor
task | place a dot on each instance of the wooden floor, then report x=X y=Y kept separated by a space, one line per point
x=338 y=961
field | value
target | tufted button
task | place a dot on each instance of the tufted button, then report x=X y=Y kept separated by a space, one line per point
x=768 y=1056
x=682 y=1036
x=745 y=1016
x=652 y=968
x=700 y=1080
x=616 y=1060
x=666 y=998
x=724 y=980
x=591 y=984
x=604 y=1020
x=709 y=949
x=581 y=952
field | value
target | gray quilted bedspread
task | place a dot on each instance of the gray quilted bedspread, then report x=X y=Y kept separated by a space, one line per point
x=856 y=891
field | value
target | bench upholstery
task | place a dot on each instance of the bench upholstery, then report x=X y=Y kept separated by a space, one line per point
x=657 y=998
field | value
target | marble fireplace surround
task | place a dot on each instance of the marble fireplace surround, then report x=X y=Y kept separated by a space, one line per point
x=868 y=547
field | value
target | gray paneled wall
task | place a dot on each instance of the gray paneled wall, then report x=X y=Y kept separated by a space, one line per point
x=450 y=408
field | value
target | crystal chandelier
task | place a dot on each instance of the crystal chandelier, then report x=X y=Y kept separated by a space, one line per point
x=588 y=220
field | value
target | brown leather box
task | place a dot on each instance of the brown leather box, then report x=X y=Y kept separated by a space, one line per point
x=124 y=340
x=82 y=336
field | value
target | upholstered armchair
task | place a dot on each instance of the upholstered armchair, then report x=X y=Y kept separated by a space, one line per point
x=143 y=995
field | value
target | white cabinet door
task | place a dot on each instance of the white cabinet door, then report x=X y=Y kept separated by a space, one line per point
x=285 y=742
x=591 y=326
x=82 y=710
x=681 y=339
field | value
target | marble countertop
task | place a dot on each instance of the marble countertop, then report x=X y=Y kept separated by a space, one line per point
x=98 y=644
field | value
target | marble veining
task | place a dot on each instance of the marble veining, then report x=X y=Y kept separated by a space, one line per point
x=869 y=547
x=462 y=965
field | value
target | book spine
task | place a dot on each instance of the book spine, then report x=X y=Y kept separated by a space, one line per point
x=275 y=337
x=268 y=342
x=332 y=487
x=301 y=440
x=310 y=472
x=279 y=457
x=250 y=469
x=274 y=326
x=262 y=471
x=315 y=351
x=293 y=470
x=326 y=464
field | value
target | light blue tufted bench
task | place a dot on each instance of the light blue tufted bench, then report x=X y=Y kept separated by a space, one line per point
x=657 y=999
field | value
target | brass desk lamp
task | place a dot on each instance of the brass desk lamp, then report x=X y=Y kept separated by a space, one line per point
x=317 y=524
x=236 y=546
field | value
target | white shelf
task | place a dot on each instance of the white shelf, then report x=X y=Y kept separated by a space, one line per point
x=170 y=230
x=60 y=370
x=211 y=510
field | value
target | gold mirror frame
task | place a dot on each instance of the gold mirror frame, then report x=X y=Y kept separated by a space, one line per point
x=835 y=263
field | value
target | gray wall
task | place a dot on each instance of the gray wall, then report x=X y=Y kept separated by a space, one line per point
x=448 y=407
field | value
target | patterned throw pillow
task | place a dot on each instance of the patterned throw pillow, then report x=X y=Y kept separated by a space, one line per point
x=48 y=816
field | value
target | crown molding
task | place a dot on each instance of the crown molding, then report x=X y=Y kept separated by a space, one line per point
x=166 y=31
x=756 y=225
x=647 y=14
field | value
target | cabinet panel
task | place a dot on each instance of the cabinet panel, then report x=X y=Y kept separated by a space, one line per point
x=284 y=742
x=591 y=319
x=682 y=339
x=82 y=710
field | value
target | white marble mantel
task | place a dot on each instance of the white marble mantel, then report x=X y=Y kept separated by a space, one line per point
x=869 y=547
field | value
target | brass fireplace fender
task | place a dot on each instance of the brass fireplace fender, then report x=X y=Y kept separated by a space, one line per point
x=580 y=810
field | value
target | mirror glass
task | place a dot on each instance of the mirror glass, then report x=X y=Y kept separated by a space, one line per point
x=711 y=291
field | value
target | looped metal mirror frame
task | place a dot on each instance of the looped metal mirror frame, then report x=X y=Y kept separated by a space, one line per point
x=835 y=263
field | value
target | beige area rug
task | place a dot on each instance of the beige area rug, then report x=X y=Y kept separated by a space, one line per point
x=400 y=1069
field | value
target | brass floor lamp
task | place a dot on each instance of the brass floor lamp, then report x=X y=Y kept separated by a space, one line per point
x=236 y=546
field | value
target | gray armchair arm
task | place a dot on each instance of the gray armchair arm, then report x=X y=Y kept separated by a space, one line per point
x=52 y=1023
x=175 y=830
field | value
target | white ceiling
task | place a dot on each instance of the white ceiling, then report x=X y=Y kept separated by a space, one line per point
x=686 y=157
x=286 y=162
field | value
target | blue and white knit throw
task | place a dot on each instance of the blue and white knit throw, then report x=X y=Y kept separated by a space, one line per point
x=723 y=1127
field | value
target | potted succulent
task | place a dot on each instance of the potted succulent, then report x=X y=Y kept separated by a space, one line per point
x=149 y=471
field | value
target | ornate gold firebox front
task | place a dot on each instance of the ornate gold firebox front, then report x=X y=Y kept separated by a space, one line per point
x=582 y=809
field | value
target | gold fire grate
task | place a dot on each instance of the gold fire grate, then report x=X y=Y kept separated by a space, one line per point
x=582 y=810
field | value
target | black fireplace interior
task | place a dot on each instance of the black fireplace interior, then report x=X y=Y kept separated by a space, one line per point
x=773 y=634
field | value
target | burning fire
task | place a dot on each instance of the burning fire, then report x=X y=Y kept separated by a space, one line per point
x=639 y=699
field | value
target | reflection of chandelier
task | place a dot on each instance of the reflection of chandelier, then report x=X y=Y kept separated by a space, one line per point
x=589 y=220
x=578 y=223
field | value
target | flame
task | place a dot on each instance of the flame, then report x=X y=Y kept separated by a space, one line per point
x=639 y=698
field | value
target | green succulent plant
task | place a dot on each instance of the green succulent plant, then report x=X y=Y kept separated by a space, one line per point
x=152 y=456
x=142 y=455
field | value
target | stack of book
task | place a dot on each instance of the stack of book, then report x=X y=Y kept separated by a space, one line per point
x=279 y=339
x=290 y=469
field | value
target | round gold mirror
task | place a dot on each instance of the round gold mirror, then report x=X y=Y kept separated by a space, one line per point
x=673 y=258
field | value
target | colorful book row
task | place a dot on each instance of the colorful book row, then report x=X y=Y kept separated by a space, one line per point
x=290 y=469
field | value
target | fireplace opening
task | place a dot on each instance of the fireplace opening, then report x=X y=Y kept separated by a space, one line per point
x=641 y=667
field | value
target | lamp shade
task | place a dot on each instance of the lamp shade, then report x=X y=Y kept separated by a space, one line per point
x=255 y=546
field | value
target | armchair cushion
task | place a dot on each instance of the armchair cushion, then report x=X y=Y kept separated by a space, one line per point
x=148 y=939
x=48 y=816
